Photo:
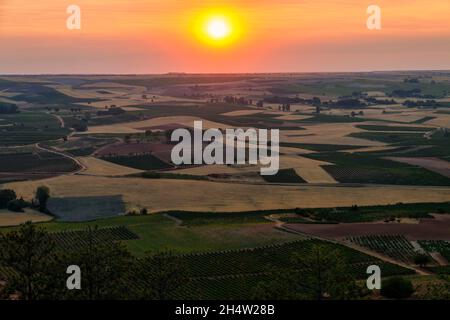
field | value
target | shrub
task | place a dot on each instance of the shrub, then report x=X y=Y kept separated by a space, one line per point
x=15 y=206
x=397 y=288
x=6 y=195
x=422 y=259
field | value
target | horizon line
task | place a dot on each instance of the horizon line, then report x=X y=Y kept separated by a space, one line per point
x=223 y=73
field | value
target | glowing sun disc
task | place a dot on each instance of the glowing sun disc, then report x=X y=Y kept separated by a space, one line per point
x=218 y=28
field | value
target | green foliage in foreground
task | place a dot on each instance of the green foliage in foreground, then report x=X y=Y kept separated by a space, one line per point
x=397 y=288
x=443 y=247
x=109 y=271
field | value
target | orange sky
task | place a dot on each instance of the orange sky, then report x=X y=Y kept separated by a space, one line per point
x=149 y=36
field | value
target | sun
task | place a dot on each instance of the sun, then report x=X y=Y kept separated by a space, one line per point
x=218 y=28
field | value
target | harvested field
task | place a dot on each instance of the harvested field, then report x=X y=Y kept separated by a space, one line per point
x=98 y=167
x=294 y=151
x=441 y=121
x=239 y=113
x=142 y=126
x=308 y=169
x=433 y=164
x=215 y=196
x=8 y=218
x=330 y=133
x=426 y=229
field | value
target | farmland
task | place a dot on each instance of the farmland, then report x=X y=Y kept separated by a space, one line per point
x=397 y=247
x=362 y=170
x=225 y=270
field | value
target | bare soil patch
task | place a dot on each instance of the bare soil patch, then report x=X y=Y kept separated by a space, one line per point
x=426 y=229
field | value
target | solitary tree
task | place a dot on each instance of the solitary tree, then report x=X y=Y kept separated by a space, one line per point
x=422 y=259
x=42 y=195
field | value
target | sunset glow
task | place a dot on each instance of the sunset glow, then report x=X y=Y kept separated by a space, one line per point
x=155 y=36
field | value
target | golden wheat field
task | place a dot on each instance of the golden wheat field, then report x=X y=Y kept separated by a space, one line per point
x=163 y=195
x=8 y=218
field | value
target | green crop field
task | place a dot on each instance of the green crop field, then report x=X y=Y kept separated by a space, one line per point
x=29 y=128
x=284 y=176
x=143 y=162
x=368 y=168
x=198 y=218
x=374 y=213
x=36 y=162
x=319 y=147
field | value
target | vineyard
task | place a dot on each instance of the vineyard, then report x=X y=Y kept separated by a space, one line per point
x=200 y=218
x=73 y=239
x=443 y=247
x=369 y=168
x=30 y=127
x=68 y=240
x=396 y=247
x=227 y=274
x=36 y=162
x=234 y=274
x=266 y=259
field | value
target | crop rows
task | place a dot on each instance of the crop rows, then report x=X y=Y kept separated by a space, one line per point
x=75 y=239
x=396 y=247
x=72 y=239
x=32 y=162
x=266 y=259
x=235 y=274
x=443 y=247
x=230 y=274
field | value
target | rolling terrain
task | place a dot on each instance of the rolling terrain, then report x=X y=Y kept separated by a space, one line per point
x=364 y=166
